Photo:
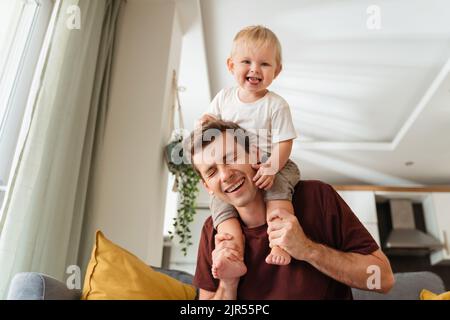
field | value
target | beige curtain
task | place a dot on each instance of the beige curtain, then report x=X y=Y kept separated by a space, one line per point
x=41 y=219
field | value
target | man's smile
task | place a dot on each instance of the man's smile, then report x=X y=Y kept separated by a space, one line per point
x=236 y=186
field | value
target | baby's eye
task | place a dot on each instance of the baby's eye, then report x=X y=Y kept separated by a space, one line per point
x=265 y=64
x=246 y=61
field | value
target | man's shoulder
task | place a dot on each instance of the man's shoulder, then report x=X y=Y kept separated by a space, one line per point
x=208 y=225
x=313 y=185
x=312 y=189
x=208 y=222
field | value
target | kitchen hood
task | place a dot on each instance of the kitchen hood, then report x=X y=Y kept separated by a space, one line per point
x=404 y=237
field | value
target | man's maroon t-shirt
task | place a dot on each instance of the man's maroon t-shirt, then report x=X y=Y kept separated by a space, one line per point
x=325 y=218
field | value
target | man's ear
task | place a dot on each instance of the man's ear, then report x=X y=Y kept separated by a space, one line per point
x=230 y=65
x=278 y=70
x=205 y=186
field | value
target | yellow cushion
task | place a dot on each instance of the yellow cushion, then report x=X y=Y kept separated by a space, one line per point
x=115 y=273
x=428 y=295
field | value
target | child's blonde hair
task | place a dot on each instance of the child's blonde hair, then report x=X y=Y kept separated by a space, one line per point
x=258 y=36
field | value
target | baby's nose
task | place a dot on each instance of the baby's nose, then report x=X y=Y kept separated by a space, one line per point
x=254 y=67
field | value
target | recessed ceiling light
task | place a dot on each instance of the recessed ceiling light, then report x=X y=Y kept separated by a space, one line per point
x=409 y=163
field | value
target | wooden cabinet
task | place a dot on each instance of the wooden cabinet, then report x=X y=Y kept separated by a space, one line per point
x=436 y=209
x=437 y=217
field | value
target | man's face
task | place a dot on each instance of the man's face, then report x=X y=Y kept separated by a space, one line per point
x=226 y=171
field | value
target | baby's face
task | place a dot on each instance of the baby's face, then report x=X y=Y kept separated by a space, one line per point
x=254 y=68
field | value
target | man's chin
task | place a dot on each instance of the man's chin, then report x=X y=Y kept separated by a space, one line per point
x=240 y=201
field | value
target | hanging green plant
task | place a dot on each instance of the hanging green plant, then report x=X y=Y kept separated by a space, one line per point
x=186 y=183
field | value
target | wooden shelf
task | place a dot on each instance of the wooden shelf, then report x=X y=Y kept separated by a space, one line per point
x=391 y=188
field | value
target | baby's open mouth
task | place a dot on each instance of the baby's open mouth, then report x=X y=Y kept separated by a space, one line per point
x=235 y=186
x=253 y=80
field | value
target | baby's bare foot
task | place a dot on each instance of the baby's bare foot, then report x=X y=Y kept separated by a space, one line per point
x=278 y=256
x=225 y=268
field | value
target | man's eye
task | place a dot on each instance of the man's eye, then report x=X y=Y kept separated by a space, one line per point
x=210 y=173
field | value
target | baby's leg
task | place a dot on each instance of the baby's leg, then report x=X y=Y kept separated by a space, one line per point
x=277 y=255
x=224 y=267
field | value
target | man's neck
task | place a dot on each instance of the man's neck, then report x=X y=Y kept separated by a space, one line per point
x=254 y=213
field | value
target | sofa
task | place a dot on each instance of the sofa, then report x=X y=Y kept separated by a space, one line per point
x=37 y=286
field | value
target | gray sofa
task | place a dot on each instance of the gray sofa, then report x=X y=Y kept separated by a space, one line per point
x=37 y=286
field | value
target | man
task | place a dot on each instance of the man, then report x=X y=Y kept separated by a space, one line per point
x=331 y=249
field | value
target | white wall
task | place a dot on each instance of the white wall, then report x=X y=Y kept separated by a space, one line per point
x=129 y=183
x=193 y=74
x=193 y=77
x=177 y=259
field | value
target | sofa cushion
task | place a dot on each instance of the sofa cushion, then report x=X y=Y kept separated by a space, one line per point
x=428 y=295
x=177 y=274
x=407 y=286
x=115 y=273
x=38 y=286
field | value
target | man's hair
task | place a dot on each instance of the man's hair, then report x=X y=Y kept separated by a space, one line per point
x=202 y=137
x=258 y=36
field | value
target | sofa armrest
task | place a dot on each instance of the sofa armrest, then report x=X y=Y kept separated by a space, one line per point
x=407 y=287
x=38 y=286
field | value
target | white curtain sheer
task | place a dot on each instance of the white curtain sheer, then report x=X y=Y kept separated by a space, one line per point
x=41 y=218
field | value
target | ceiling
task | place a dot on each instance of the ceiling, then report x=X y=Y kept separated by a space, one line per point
x=364 y=101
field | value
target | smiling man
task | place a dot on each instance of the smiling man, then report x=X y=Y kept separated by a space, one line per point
x=331 y=249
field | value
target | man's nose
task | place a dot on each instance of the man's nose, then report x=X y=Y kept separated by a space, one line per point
x=225 y=173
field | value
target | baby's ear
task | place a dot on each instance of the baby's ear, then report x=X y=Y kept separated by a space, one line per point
x=230 y=65
x=278 y=70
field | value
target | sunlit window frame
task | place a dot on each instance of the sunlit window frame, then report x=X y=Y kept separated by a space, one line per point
x=16 y=75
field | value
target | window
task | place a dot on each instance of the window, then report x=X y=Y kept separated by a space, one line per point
x=23 y=24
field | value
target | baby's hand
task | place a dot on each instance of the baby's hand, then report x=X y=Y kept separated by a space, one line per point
x=265 y=176
x=205 y=119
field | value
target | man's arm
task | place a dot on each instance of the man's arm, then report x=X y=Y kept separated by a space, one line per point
x=227 y=290
x=352 y=269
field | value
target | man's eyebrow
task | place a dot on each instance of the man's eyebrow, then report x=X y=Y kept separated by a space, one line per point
x=209 y=167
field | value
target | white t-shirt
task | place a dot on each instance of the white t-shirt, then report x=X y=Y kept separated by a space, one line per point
x=269 y=117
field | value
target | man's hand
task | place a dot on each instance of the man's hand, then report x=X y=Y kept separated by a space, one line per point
x=347 y=267
x=265 y=176
x=227 y=258
x=225 y=246
x=285 y=231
